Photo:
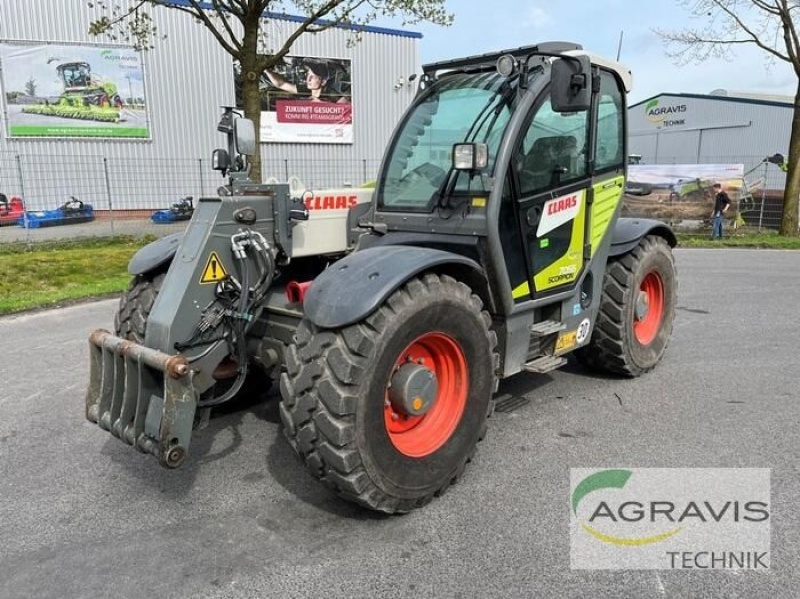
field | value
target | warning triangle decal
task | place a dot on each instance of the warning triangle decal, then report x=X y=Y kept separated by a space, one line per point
x=214 y=271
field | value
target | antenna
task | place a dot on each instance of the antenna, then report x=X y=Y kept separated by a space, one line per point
x=619 y=47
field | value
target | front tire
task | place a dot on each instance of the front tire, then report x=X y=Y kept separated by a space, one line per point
x=342 y=416
x=637 y=311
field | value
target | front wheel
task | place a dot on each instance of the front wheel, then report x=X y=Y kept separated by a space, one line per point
x=388 y=411
x=637 y=311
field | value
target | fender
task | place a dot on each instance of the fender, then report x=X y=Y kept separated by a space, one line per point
x=628 y=231
x=155 y=254
x=352 y=288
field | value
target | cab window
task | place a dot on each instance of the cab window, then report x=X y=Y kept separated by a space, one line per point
x=610 y=124
x=553 y=151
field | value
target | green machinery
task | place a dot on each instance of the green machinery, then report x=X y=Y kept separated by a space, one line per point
x=84 y=96
x=491 y=245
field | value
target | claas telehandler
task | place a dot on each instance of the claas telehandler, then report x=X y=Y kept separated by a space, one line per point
x=491 y=245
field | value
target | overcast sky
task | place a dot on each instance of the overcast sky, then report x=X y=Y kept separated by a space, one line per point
x=596 y=24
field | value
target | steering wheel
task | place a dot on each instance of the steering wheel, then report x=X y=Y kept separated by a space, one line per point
x=428 y=171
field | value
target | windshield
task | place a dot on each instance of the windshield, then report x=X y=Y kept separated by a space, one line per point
x=461 y=107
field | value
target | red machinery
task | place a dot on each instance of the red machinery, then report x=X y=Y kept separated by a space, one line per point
x=10 y=210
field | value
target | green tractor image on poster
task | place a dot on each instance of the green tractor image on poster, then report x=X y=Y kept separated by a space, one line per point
x=85 y=97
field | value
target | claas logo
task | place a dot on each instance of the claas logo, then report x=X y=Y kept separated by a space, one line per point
x=562 y=204
x=330 y=202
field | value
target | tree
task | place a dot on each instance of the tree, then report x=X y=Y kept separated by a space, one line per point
x=767 y=24
x=238 y=27
x=30 y=87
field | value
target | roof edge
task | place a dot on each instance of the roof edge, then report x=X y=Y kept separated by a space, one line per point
x=715 y=99
x=299 y=19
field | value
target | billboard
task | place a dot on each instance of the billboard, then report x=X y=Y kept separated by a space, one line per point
x=305 y=99
x=679 y=192
x=73 y=91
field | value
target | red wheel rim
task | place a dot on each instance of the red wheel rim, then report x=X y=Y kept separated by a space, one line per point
x=647 y=321
x=419 y=436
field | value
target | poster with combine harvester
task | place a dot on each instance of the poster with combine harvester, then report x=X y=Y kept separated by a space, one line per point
x=73 y=91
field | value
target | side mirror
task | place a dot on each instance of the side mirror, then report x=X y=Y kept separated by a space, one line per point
x=245 y=135
x=220 y=161
x=570 y=85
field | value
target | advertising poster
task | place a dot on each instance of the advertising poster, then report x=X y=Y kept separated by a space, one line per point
x=73 y=91
x=305 y=100
x=679 y=192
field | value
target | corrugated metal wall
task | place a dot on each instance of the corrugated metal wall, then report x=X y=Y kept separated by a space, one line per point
x=709 y=130
x=187 y=78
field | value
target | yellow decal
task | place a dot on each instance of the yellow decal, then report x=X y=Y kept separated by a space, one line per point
x=606 y=199
x=565 y=269
x=521 y=291
x=478 y=202
x=566 y=341
x=214 y=271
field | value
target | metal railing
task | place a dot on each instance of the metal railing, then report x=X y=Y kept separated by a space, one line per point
x=124 y=193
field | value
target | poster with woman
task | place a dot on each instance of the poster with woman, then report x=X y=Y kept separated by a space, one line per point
x=305 y=100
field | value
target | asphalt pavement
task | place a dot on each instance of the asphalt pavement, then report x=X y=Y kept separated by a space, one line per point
x=83 y=515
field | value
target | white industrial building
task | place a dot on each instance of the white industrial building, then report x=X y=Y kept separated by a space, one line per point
x=723 y=127
x=185 y=80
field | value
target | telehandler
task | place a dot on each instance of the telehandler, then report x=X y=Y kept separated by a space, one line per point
x=491 y=245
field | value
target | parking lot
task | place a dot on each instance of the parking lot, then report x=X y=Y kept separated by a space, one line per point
x=85 y=516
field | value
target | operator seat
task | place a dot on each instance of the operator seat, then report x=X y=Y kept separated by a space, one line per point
x=550 y=160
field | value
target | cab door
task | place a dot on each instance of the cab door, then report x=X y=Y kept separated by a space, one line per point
x=552 y=183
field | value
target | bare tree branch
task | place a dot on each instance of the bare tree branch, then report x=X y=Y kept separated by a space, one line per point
x=232 y=47
x=761 y=23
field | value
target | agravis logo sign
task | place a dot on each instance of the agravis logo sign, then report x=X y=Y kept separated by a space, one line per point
x=670 y=518
x=666 y=115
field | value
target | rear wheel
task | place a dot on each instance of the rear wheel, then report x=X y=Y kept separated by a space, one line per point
x=135 y=306
x=637 y=311
x=387 y=412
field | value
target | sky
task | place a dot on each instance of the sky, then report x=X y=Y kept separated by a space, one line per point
x=596 y=25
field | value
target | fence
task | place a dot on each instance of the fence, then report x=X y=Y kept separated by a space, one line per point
x=125 y=192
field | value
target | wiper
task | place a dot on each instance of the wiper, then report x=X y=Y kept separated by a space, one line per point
x=504 y=100
x=485 y=113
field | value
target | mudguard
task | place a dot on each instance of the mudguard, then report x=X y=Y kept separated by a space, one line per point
x=353 y=287
x=155 y=254
x=628 y=231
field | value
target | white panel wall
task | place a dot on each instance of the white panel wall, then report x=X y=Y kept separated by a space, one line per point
x=187 y=78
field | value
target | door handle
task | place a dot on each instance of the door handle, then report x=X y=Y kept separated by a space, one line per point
x=533 y=216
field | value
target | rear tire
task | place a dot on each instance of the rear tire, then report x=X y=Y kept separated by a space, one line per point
x=637 y=311
x=135 y=305
x=336 y=410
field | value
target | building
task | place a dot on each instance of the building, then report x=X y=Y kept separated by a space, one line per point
x=723 y=127
x=720 y=128
x=170 y=98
